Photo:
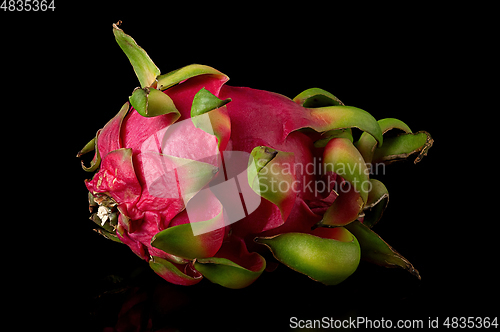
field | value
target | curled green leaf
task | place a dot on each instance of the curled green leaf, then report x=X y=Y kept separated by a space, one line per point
x=150 y=102
x=345 y=209
x=233 y=266
x=340 y=156
x=392 y=123
x=174 y=77
x=315 y=97
x=173 y=272
x=272 y=167
x=341 y=117
x=322 y=259
x=260 y=157
x=91 y=146
x=204 y=101
x=367 y=144
x=226 y=273
x=378 y=198
x=402 y=146
x=145 y=70
x=181 y=241
x=331 y=134
x=209 y=114
x=377 y=251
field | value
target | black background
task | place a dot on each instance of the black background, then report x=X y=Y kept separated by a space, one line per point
x=68 y=77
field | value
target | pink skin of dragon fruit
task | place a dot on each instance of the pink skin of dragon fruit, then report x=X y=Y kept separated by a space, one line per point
x=283 y=136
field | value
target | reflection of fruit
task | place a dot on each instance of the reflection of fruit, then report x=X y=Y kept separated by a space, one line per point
x=196 y=170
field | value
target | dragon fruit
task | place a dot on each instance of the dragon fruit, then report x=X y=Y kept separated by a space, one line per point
x=206 y=180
